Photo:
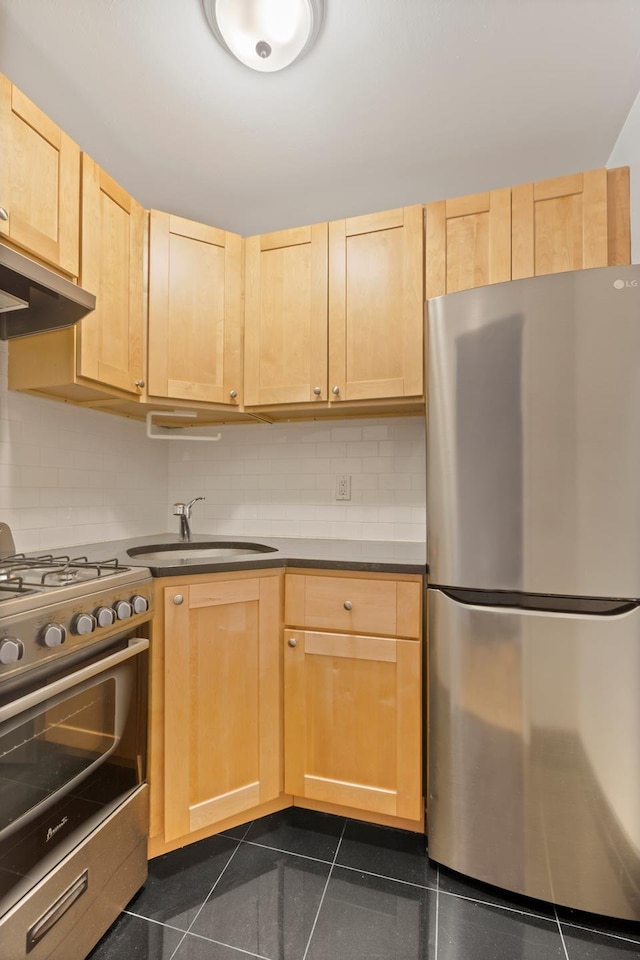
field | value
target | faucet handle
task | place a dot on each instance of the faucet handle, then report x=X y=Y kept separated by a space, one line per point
x=179 y=509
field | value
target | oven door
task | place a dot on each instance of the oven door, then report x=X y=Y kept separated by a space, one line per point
x=70 y=753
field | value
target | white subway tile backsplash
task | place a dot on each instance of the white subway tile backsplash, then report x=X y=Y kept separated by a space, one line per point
x=70 y=476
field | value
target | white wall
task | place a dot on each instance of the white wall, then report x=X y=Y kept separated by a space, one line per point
x=626 y=153
x=71 y=476
x=280 y=480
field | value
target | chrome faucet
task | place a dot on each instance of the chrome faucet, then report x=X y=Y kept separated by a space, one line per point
x=183 y=510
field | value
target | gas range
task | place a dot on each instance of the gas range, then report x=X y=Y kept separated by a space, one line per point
x=52 y=605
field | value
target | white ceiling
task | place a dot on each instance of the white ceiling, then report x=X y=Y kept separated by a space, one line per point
x=401 y=101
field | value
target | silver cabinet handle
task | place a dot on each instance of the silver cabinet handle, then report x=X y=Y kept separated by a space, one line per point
x=4 y=214
x=317 y=391
x=293 y=642
x=348 y=605
x=336 y=390
x=178 y=599
x=233 y=394
x=139 y=383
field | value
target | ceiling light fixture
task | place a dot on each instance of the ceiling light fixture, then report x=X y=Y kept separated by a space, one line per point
x=266 y=35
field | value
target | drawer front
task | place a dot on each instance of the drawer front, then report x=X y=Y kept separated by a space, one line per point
x=354 y=605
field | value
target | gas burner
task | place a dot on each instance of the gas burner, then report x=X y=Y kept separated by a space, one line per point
x=56 y=571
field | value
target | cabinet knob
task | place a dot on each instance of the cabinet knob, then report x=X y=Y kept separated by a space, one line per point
x=293 y=642
x=233 y=394
x=336 y=391
x=4 y=214
x=139 y=383
x=348 y=605
x=317 y=391
x=178 y=599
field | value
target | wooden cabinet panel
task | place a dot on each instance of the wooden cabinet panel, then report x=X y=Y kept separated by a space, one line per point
x=286 y=316
x=560 y=224
x=39 y=182
x=376 y=304
x=467 y=242
x=195 y=311
x=111 y=338
x=347 y=603
x=344 y=694
x=222 y=752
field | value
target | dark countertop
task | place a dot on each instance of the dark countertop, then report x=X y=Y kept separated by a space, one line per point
x=365 y=555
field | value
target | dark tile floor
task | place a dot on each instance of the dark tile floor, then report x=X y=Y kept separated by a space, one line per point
x=306 y=886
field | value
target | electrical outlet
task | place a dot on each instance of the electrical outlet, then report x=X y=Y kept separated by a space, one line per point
x=343 y=488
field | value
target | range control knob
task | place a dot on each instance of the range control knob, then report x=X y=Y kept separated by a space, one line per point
x=53 y=635
x=11 y=650
x=105 y=616
x=140 y=604
x=122 y=609
x=83 y=624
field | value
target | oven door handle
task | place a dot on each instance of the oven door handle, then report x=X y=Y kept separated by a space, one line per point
x=36 y=697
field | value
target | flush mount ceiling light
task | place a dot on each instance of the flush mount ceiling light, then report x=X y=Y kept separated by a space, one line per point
x=265 y=35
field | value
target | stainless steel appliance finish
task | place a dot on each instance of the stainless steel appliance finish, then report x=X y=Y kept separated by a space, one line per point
x=73 y=797
x=534 y=558
x=34 y=298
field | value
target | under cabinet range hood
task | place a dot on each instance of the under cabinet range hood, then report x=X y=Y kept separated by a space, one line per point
x=34 y=298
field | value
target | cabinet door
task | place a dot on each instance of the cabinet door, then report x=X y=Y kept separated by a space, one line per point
x=39 y=182
x=376 y=305
x=352 y=721
x=467 y=242
x=286 y=316
x=195 y=311
x=112 y=263
x=222 y=700
x=560 y=224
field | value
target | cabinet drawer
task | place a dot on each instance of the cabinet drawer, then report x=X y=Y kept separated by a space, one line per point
x=355 y=605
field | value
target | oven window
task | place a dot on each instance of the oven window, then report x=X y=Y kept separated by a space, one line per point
x=56 y=750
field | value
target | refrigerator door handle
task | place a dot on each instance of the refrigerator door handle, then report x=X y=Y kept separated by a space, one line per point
x=548 y=604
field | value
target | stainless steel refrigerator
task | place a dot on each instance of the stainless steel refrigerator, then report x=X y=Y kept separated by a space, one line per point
x=533 y=516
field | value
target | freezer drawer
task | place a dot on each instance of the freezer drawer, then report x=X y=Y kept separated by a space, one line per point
x=533 y=753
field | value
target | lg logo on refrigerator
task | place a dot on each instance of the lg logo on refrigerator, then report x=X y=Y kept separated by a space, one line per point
x=621 y=284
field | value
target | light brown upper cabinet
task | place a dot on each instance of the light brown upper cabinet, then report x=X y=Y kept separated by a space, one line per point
x=286 y=316
x=195 y=311
x=567 y=223
x=111 y=338
x=467 y=242
x=39 y=182
x=376 y=305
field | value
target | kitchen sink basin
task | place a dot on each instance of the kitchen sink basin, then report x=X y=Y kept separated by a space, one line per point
x=170 y=554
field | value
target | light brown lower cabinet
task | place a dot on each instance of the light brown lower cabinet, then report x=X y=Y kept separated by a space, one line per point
x=353 y=721
x=248 y=718
x=222 y=700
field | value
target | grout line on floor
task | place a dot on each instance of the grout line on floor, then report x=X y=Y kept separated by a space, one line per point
x=221 y=943
x=498 y=906
x=564 y=946
x=435 y=948
x=220 y=876
x=266 y=846
x=600 y=932
x=160 y=923
x=383 y=876
x=335 y=857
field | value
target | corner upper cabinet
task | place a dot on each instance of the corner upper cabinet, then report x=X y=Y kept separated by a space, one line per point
x=286 y=316
x=195 y=311
x=376 y=306
x=39 y=182
x=111 y=338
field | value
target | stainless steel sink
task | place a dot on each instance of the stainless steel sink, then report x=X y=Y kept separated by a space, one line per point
x=170 y=554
